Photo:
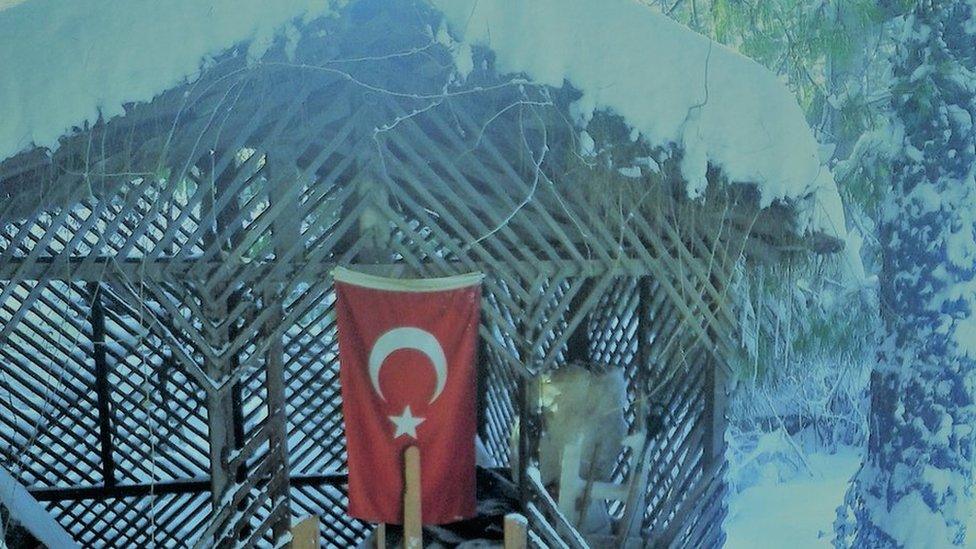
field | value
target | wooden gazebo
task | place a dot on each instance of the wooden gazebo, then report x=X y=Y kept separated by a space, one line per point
x=168 y=369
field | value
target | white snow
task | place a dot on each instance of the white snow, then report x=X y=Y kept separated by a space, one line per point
x=64 y=62
x=913 y=524
x=587 y=147
x=798 y=513
x=632 y=172
x=669 y=83
x=797 y=509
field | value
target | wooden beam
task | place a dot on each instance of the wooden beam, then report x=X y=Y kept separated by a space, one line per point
x=305 y=269
x=102 y=389
x=192 y=486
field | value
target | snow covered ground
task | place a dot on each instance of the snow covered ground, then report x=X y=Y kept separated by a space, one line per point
x=797 y=512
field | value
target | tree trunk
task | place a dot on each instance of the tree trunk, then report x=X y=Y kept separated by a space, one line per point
x=915 y=486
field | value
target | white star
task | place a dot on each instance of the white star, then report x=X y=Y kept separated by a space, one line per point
x=406 y=424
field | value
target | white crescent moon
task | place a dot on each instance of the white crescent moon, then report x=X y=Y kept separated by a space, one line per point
x=408 y=338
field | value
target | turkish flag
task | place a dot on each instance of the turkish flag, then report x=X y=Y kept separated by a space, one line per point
x=407 y=368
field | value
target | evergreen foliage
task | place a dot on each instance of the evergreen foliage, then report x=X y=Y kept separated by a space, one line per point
x=916 y=484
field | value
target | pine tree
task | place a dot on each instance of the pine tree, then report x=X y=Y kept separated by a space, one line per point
x=916 y=482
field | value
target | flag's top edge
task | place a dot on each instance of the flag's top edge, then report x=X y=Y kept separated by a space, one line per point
x=341 y=274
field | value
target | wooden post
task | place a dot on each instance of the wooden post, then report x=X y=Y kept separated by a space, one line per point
x=381 y=536
x=412 y=529
x=102 y=389
x=305 y=534
x=285 y=234
x=516 y=531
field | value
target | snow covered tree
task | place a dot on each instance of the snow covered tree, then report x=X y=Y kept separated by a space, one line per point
x=915 y=486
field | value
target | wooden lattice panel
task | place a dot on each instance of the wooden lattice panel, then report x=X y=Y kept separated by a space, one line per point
x=48 y=405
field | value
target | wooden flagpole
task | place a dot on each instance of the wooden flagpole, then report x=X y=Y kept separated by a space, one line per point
x=412 y=526
x=516 y=531
x=381 y=536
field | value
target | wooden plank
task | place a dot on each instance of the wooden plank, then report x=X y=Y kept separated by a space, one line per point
x=550 y=508
x=412 y=530
x=448 y=239
x=578 y=317
x=548 y=537
x=295 y=270
x=231 y=265
x=716 y=407
x=516 y=531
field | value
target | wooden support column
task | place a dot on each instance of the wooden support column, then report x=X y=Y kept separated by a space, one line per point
x=578 y=344
x=637 y=493
x=717 y=392
x=516 y=531
x=530 y=419
x=286 y=235
x=716 y=405
x=102 y=388
x=482 y=374
x=526 y=427
x=220 y=412
x=227 y=223
x=642 y=374
x=220 y=401
x=713 y=448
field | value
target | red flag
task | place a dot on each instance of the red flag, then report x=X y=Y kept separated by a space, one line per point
x=406 y=354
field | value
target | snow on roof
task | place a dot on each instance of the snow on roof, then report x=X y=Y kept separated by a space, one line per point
x=670 y=84
x=66 y=62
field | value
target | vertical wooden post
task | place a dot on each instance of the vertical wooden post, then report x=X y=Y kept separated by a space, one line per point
x=102 y=389
x=412 y=512
x=285 y=234
x=637 y=492
x=578 y=343
x=529 y=414
x=642 y=375
x=525 y=427
x=716 y=398
x=481 y=378
x=220 y=401
x=716 y=401
x=516 y=531
x=381 y=536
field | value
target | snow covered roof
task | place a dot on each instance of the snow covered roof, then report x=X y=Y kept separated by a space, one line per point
x=64 y=63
